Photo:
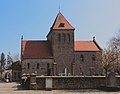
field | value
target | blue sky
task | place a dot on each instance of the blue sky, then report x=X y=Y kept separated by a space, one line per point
x=33 y=19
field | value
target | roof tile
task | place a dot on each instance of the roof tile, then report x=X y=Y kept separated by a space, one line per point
x=36 y=49
x=85 y=46
x=61 y=23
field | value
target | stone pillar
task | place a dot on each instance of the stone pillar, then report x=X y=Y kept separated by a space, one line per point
x=55 y=69
x=73 y=69
x=33 y=84
x=48 y=83
x=65 y=71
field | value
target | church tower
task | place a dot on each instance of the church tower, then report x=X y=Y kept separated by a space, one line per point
x=61 y=37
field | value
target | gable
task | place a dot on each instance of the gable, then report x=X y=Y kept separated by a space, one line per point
x=61 y=23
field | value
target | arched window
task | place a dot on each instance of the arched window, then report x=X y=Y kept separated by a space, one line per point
x=64 y=37
x=69 y=37
x=93 y=58
x=38 y=66
x=28 y=65
x=82 y=58
x=59 y=37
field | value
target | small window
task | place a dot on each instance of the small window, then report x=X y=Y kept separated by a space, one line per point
x=93 y=57
x=37 y=65
x=80 y=69
x=15 y=75
x=59 y=37
x=28 y=65
x=69 y=37
x=42 y=68
x=64 y=37
x=62 y=25
x=82 y=58
x=19 y=75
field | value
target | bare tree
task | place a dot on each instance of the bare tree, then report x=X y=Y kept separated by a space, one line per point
x=16 y=57
x=9 y=60
x=108 y=60
x=114 y=45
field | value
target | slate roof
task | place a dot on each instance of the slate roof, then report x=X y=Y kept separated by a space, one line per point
x=36 y=49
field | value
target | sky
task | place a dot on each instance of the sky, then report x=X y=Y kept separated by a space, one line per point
x=33 y=19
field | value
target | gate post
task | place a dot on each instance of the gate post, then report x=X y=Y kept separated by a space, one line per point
x=48 y=83
x=33 y=84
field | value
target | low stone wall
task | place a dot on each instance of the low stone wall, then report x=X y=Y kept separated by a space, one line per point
x=77 y=82
x=70 y=82
x=118 y=80
x=40 y=81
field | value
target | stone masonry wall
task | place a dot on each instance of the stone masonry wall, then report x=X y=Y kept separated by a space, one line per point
x=72 y=82
x=63 y=50
x=88 y=66
x=42 y=70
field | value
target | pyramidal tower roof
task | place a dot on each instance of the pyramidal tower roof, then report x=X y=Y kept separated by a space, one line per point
x=61 y=23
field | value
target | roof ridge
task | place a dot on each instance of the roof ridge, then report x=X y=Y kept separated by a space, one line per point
x=83 y=40
x=37 y=40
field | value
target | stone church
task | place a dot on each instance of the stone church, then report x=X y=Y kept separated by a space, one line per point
x=60 y=54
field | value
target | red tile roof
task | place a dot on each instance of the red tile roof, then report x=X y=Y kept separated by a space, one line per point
x=36 y=49
x=86 y=46
x=61 y=23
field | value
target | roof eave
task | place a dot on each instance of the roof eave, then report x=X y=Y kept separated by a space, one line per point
x=58 y=30
x=38 y=58
x=88 y=51
x=97 y=45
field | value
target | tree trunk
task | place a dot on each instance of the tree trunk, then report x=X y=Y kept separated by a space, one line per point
x=106 y=76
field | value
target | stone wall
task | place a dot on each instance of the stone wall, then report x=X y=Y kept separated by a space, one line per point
x=63 y=50
x=40 y=83
x=86 y=65
x=41 y=70
x=71 y=82
x=77 y=82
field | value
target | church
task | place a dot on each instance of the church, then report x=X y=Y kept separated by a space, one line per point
x=60 y=54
